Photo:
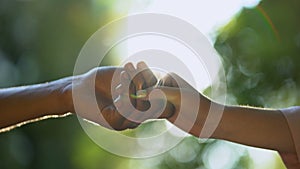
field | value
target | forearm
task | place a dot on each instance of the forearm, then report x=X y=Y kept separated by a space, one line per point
x=22 y=104
x=256 y=127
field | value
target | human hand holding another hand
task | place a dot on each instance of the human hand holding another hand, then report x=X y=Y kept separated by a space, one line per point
x=107 y=83
x=185 y=107
x=98 y=84
x=129 y=101
x=89 y=95
x=110 y=97
x=189 y=107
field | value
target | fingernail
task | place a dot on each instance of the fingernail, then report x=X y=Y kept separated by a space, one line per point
x=129 y=66
x=141 y=65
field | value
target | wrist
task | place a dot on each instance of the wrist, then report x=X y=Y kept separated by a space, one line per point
x=209 y=118
x=63 y=92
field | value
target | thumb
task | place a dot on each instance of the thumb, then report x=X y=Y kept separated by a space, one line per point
x=156 y=95
x=172 y=94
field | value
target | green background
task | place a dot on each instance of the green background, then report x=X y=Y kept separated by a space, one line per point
x=40 y=41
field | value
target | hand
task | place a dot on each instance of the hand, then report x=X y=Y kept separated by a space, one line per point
x=182 y=102
x=104 y=83
x=137 y=79
x=98 y=83
x=188 y=115
x=88 y=95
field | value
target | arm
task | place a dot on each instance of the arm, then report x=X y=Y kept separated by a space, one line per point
x=251 y=126
x=246 y=125
x=257 y=127
x=20 y=105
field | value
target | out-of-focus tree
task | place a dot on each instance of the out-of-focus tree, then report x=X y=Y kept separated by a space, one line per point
x=261 y=49
x=39 y=42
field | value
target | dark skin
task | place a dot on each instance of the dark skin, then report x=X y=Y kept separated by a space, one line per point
x=31 y=103
x=21 y=105
x=256 y=126
x=136 y=79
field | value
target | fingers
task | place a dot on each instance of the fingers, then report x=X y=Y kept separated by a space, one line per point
x=172 y=94
x=126 y=86
x=127 y=124
x=138 y=79
x=112 y=117
x=129 y=67
x=136 y=83
x=116 y=120
x=127 y=105
x=158 y=102
x=142 y=76
x=159 y=105
x=148 y=75
x=173 y=80
x=124 y=76
x=167 y=81
x=127 y=110
x=139 y=82
x=158 y=109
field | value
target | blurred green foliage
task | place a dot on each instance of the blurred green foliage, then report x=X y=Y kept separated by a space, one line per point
x=40 y=41
x=260 y=49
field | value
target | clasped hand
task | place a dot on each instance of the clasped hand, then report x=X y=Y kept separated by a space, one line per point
x=120 y=107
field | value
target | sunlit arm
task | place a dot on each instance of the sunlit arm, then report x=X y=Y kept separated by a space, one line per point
x=20 y=105
x=251 y=126
x=256 y=127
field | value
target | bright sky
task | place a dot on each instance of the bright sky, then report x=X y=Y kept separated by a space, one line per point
x=206 y=16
